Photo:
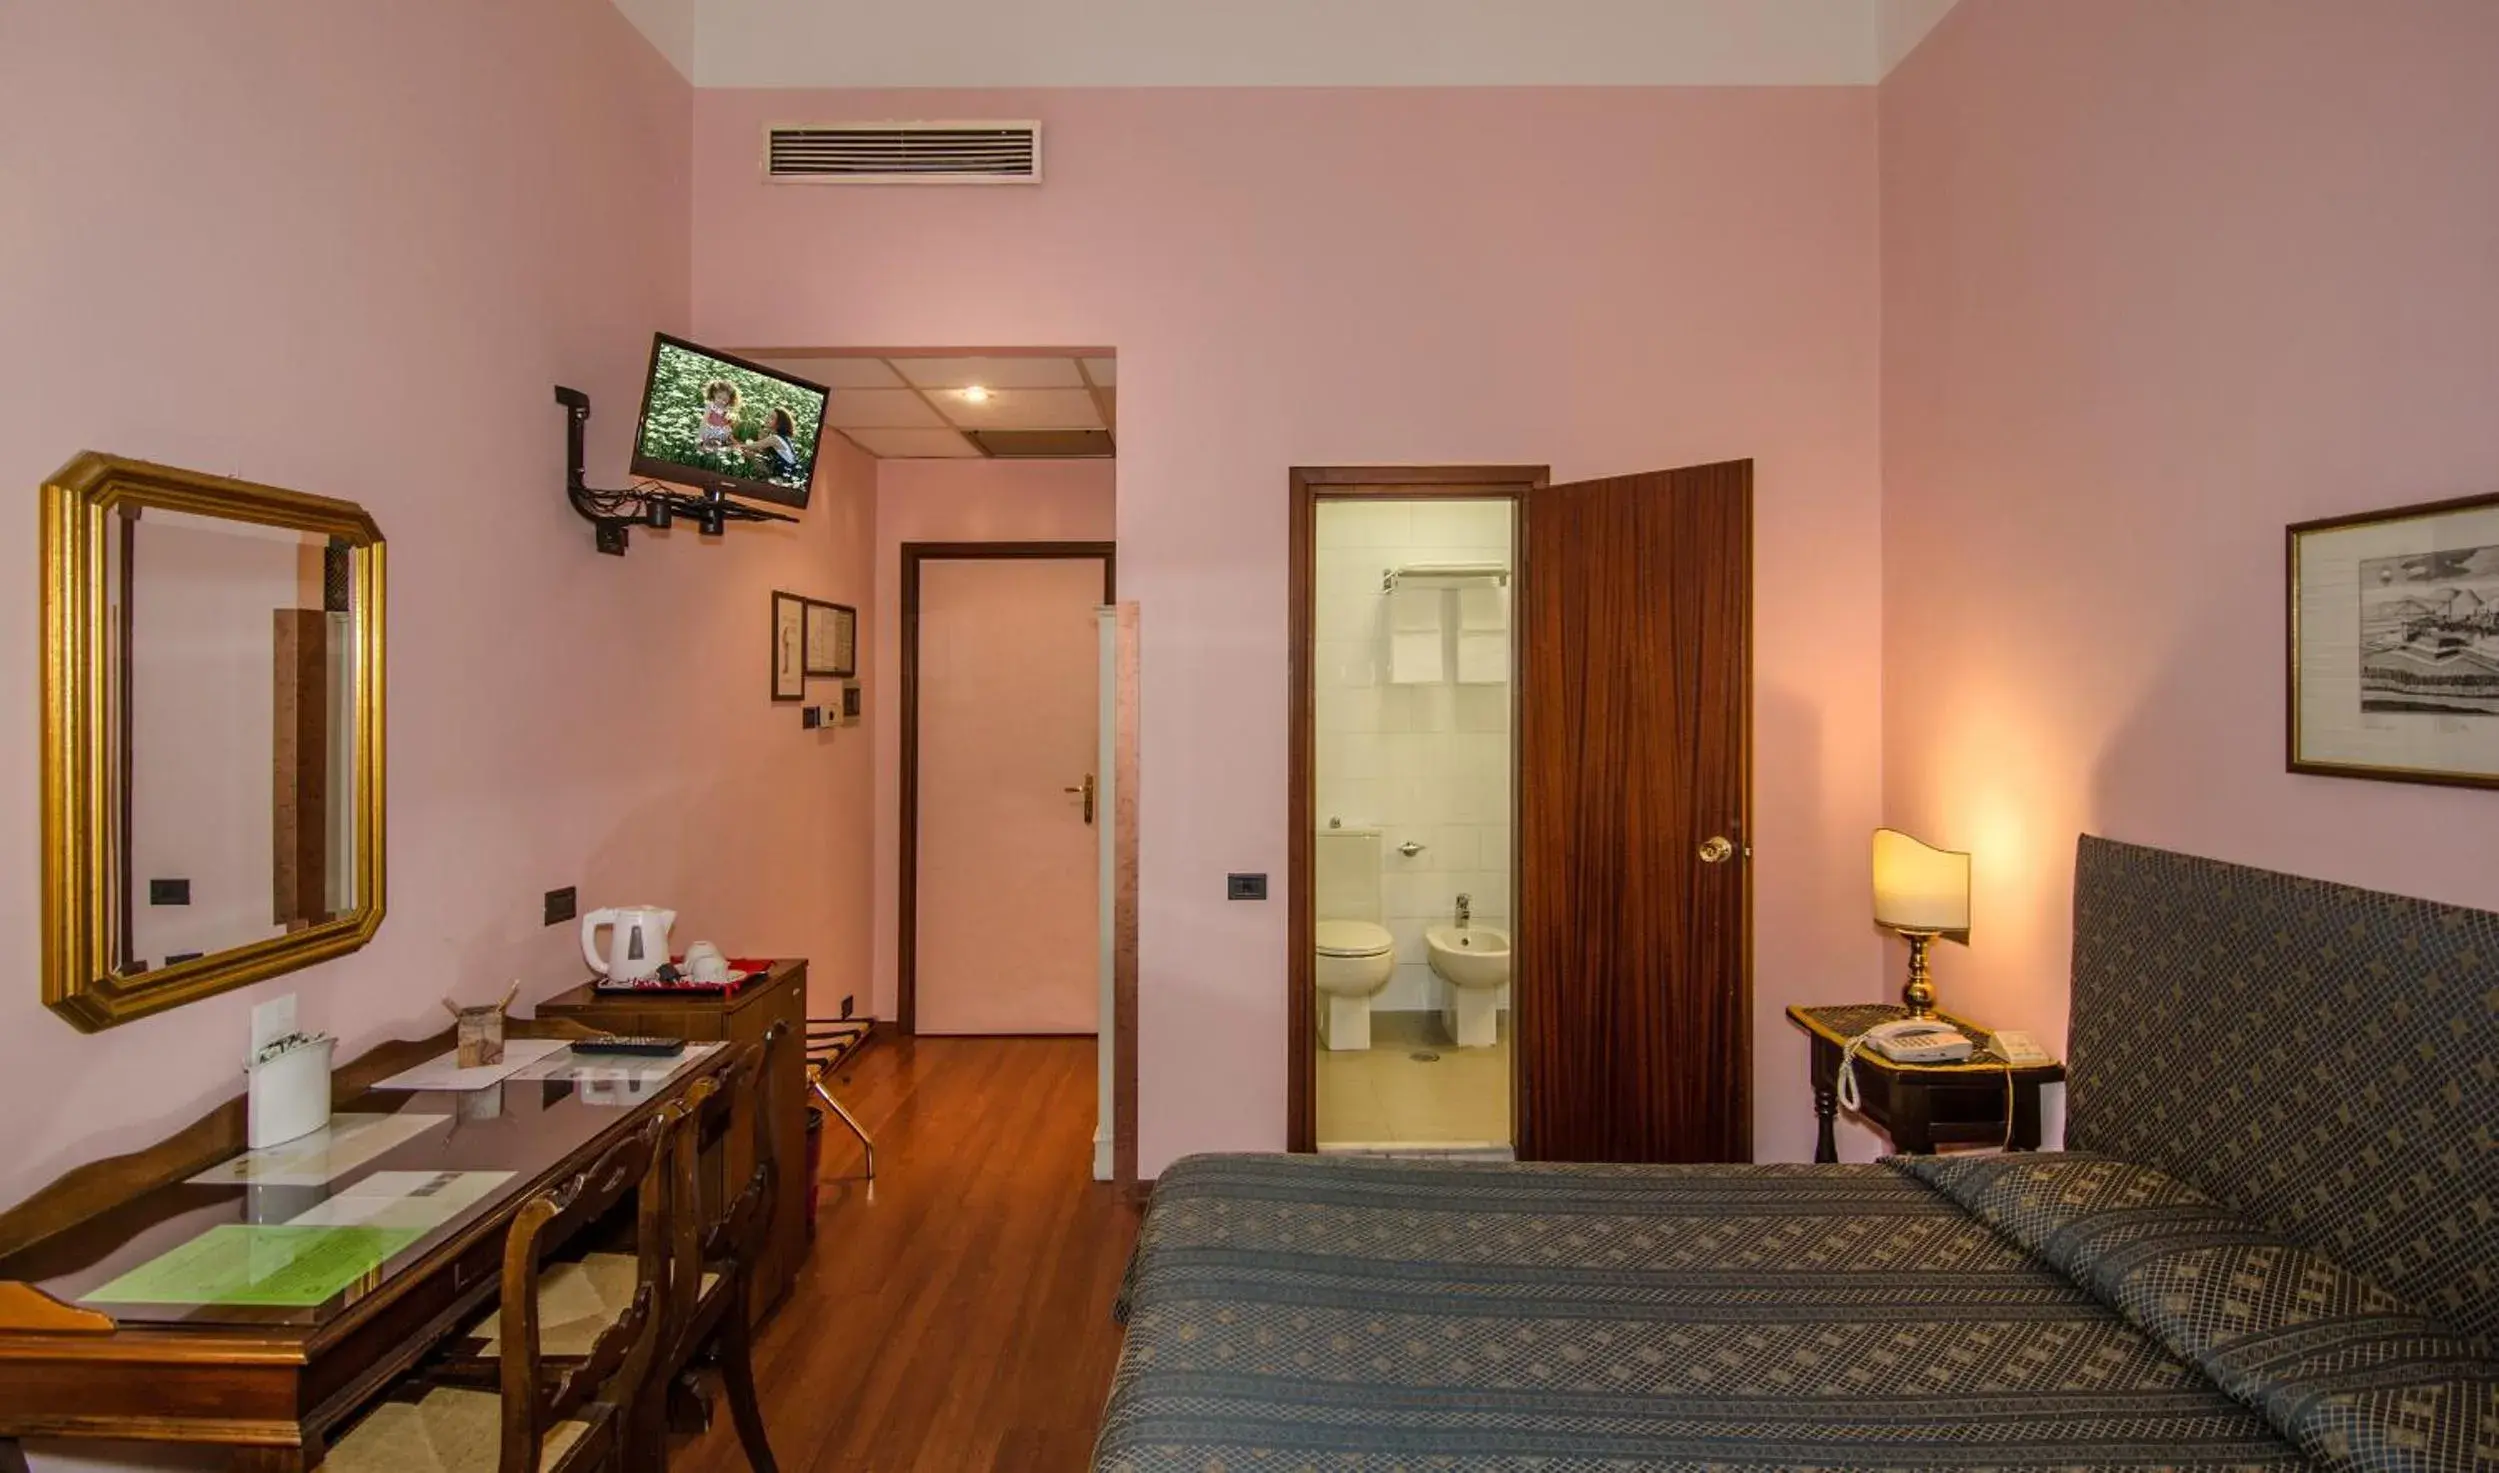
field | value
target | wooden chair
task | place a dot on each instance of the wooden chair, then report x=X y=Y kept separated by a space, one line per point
x=711 y=1257
x=542 y=1420
x=711 y=1307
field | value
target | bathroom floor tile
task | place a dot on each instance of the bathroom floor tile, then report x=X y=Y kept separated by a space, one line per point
x=1413 y=1087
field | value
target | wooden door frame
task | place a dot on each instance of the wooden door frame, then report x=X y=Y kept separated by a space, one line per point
x=1312 y=484
x=1121 y=1027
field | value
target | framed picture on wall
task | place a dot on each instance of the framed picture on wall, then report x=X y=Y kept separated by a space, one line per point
x=832 y=639
x=789 y=634
x=2394 y=635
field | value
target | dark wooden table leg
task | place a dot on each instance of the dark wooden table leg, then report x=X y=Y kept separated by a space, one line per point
x=1912 y=1119
x=1826 y=1101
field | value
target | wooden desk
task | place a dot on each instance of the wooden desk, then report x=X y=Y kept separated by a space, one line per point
x=276 y=1383
x=742 y=1017
x=1920 y=1106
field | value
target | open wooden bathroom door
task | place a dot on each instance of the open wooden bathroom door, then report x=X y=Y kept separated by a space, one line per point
x=1633 y=1000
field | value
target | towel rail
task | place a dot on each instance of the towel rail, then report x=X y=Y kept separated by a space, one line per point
x=1391 y=577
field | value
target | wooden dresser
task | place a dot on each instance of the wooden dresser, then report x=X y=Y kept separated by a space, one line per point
x=742 y=1018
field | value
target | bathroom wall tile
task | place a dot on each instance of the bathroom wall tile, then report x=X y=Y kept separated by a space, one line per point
x=1408 y=895
x=1367 y=523
x=1366 y=754
x=1459 y=845
x=1484 y=708
x=1481 y=755
x=1409 y=933
x=1355 y=800
x=1491 y=892
x=1487 y=523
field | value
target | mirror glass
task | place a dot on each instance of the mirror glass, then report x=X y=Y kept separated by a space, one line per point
x=233 y=697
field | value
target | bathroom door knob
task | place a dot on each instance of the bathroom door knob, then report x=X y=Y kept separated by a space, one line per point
x=1087 y=790
x=1717 y=849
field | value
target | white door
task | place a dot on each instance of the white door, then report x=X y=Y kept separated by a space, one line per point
x=1008 y=866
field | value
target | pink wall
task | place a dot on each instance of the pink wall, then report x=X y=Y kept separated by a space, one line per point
x=953 y=501
x=2158 y=280
x=1605 y=280
x=351 y=257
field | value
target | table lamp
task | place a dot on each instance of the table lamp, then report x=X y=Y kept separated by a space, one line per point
x=1922 y=892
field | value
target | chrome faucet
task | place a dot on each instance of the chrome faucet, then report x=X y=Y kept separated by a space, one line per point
x=1466 y=908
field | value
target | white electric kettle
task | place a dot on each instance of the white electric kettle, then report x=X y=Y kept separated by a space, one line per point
x=638 y=947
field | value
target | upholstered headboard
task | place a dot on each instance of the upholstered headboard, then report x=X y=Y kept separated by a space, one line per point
x=2321 y=1058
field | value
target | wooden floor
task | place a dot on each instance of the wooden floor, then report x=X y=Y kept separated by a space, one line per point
x=956 y=1314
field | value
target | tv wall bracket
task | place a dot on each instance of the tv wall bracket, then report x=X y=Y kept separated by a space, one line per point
x=614 y=514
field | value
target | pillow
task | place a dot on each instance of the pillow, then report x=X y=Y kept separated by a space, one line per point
x=2357 y=1378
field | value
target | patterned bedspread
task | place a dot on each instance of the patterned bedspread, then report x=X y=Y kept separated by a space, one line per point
x=1367 y=1315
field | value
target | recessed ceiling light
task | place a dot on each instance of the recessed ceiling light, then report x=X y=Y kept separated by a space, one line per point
x=976 y=395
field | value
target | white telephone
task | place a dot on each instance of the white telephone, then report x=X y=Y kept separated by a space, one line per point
x=1918 y=1041
x=2017 y=1048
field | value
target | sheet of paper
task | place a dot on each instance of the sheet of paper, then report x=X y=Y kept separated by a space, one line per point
x=445 y=1072
x=282 y=1266
x=318 y=1159
x=415 y=1201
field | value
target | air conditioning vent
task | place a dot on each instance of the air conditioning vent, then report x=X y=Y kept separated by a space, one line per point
x=905 y=153
x=1043 y=444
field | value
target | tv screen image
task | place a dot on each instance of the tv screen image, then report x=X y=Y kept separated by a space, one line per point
x=711 y=420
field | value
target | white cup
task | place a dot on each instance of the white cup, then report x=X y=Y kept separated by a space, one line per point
x=704 y=963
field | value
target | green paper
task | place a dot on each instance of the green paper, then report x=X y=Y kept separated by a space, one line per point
x=273 y=1266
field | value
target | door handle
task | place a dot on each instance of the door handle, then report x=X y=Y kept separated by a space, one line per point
x=1717 y=849
x=1087 y=790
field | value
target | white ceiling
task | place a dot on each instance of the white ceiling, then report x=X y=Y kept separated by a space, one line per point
x=903 y=406
x=1283 y=43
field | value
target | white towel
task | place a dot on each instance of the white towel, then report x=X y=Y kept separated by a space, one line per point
x=1411 y=610
x=1483 y=656
x=1483 y=606
x=1415 y=657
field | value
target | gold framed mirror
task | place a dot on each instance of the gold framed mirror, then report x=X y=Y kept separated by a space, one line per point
x=212 y=735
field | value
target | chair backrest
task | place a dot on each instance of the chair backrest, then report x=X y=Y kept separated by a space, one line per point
x=532 y=1403
x=739 y=1098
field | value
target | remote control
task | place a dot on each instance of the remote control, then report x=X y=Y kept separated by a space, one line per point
x=625 y=1044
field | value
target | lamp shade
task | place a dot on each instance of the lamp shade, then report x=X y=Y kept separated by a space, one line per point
x=1918 y=887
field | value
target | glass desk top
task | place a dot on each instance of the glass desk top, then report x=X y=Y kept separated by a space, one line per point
x=296 y=1234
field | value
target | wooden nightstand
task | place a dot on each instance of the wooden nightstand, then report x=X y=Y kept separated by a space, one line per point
x=1920 y=1106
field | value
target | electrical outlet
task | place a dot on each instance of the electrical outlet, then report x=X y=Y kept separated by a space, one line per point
x=1245 y=887
x=562 y=905
x=169 y=892
x=848 y=1002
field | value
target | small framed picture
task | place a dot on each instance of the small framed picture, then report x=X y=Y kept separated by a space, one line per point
x=2394 y=635
x=832 y=639
x=850 y=704
x=789 y=634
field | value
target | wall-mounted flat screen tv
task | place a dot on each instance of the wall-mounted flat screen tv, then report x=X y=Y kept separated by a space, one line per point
x=712 y=421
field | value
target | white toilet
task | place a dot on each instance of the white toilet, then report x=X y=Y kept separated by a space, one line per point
x=1357 y=956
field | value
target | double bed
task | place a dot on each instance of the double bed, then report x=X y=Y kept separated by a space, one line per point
x=2273 y=1244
